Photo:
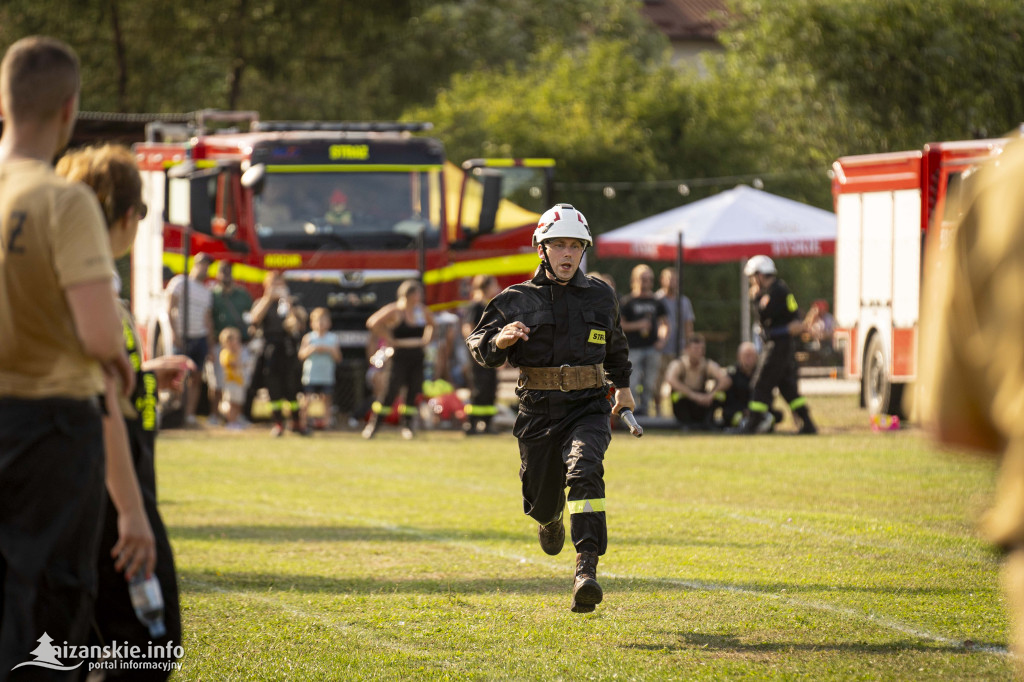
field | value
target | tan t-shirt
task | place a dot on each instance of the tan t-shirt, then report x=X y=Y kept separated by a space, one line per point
x=52 y=236
x=972 y=343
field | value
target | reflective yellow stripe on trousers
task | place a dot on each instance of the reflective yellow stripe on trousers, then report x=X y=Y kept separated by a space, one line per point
x=580 y=506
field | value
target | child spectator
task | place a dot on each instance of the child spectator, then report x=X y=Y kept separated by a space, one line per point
x=232 y=363
x=320 y=354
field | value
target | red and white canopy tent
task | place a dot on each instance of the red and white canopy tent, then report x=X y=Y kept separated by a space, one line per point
x=730 y=226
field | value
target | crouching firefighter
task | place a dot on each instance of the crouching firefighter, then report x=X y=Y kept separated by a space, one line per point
x=562 y=330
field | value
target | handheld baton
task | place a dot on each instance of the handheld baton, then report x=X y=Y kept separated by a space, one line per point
x=630 y=421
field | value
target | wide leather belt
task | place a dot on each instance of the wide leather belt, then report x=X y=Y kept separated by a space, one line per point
x=564 y=378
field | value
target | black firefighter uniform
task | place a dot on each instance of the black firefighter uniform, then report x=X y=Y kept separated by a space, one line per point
x=576 y=345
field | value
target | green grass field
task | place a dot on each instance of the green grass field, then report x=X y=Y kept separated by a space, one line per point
x=850 y=555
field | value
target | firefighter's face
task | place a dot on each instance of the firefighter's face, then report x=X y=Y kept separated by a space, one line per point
x=565 y=255
x=755 y=285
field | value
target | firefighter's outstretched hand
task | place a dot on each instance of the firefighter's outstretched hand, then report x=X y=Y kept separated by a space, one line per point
x=623 y=400
x=512 y=333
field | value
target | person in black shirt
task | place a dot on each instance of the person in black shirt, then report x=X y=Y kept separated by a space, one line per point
x=780 y=322
x=562 y=330
x=481 y=408
x=406 y=326
x=645 y=321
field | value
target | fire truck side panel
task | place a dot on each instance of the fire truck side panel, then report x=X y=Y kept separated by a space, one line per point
x=847 y=277
x=877 y=273
x=147 y=262
x=906 y=280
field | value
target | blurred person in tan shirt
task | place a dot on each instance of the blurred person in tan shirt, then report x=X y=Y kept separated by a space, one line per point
x=59 y=334
x=972 y=352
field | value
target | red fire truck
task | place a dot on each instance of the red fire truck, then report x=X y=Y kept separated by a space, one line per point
x=886 y=205
x=346 y=210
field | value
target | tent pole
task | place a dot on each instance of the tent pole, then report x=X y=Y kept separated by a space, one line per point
x=679 y=297
x=744 y=306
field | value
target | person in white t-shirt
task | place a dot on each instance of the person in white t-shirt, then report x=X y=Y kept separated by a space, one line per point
x=192 y=337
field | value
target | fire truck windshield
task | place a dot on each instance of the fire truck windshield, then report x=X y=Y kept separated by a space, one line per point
x=348 y=210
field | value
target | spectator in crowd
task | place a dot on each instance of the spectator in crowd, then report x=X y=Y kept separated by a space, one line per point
x=405 y=326
x=232 y=361
x=320 y=353
x=695 y=380
x=129 y=427
x=819 y=328
x=607 y=279
x=484 y=380
x=279 y=357
x=192 y=337
x=645 y=323
x=230 y=308
x=677 y=334
x=441 y=354
x=59 y=336
x=736 y=397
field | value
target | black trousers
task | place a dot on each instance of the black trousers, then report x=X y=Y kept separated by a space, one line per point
x=115 y=619
x=689 y=413
x=51 y=504
x=566 y=451
x=406 y=372
x=775 y=368
x=484 y=393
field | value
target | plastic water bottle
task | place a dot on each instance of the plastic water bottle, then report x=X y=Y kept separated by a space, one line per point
x=148 y=602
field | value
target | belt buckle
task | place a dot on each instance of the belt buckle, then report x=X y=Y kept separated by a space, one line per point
x=561 y=378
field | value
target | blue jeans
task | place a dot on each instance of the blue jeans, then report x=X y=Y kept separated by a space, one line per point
x=643 y=381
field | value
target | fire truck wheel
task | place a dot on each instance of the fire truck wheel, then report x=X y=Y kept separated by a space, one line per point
x=880 y=395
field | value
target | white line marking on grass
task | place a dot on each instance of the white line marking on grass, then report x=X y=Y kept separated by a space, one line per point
x=882 y=621
x=871 y=543
x=852 y=614
x=361 y=633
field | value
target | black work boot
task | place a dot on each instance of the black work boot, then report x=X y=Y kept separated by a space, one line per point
x=586 y=593
x=807 y=427
x=756 y=423
x=552 y=533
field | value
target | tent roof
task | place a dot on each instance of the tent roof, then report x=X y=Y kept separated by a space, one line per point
x=732 y=225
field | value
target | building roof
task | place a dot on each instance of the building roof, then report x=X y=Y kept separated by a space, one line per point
x=687 y=19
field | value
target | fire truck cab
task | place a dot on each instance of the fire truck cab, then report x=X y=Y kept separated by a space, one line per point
x=886 y=206
x=346 y=210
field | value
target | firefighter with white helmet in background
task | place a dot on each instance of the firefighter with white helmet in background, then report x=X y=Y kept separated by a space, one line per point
x=561 y=329
x=776 y=368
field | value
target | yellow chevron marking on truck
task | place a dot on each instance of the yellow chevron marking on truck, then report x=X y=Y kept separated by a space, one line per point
x=523 y=263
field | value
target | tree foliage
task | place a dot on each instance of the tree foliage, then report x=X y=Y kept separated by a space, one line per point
x=910 y=71
x=589 y=83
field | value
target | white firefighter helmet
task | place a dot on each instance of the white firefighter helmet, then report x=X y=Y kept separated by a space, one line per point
x=762 y=265
x=562 y=220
